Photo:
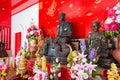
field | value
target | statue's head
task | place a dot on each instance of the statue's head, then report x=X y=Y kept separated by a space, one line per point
x=2 y=45
x=62 y=16
x=95 y=26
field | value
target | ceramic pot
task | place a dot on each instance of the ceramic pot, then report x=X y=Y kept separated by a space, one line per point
x=116 y=54
x=32 y=46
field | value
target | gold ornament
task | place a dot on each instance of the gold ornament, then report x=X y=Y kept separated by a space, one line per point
x=22 y=65
x=112 y=73
x=44 y=64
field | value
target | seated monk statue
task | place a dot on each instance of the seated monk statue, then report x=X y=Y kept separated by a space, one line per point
x=97 y=39
x=58 y=47
x=3 y=52
x=100 y=43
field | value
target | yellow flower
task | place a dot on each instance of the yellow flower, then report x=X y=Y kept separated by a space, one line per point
x=3 y=73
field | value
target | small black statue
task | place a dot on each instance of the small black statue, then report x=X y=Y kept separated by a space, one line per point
x=100 y=42
x=58 y=47
x=97 y=39
x=3 y=52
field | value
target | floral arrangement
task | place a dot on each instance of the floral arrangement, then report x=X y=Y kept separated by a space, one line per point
x=33 y=32
x=4 y=69
x=83 y=67
x=55 y=70
x=112 y=23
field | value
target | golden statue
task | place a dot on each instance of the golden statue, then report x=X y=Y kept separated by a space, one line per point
x=22 y=65
x=44 y=64
x=112 y=73
x=38 y=61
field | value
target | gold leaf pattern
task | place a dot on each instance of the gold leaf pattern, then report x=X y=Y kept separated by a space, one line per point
x=71 y=5
x=107 y=8
x=89 y=14
x=62 y=2
x=41 y=5
x=57 y=21
x=48 y=32
x=52 y=8
x=98 y=1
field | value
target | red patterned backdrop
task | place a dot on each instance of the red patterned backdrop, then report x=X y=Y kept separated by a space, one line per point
x=80 y=12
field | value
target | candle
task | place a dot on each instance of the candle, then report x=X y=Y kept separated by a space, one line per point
x=44 y=64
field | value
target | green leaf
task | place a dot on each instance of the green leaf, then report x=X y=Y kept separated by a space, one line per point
x=59 y=65
x=51 y=76
x=107 y=33
x=111 y=33
x=97 y=72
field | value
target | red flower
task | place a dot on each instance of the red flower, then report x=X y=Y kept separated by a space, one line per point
x=111 y=12
x=114 y=26
x=36 y=33
x=27 y=36
x=90 y=77
x=29 y=29
x=107 y=27
x=33 y=27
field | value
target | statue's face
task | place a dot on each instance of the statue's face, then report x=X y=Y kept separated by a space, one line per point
x=95 y=27
x=62 y=17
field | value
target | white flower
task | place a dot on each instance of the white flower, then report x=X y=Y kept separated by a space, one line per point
x=84 y=60
x=59 y=74
x=51 y=70
x=74 y=59
x=91 y=67
x=118 y=4
x=73 y=76
x=115 y=8
x=68 y=65
x=75 y=67
x=80 y=72
x=118 y=18
x=80 y=56
x=108 y=20
x=85 y=76
x=57 y=60
x=31 y=32
x=28 y=33
x=117 y=12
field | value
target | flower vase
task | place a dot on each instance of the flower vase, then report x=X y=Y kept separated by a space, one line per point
x=32 y=47
x=3 y=78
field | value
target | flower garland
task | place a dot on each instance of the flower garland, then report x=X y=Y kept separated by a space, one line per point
x=112 y=23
